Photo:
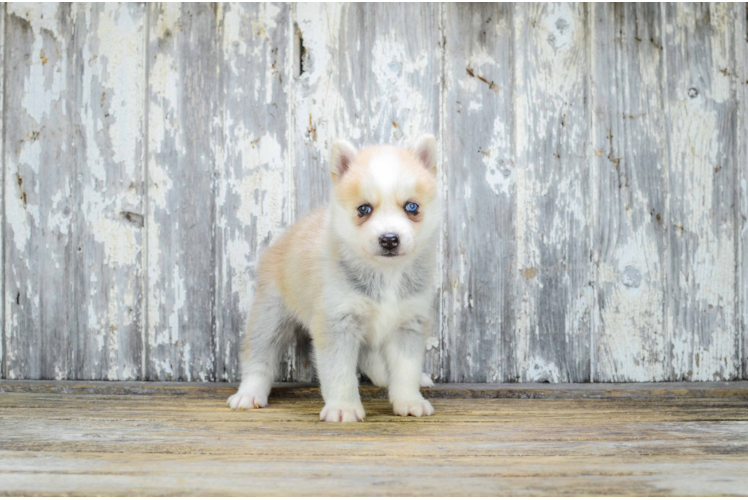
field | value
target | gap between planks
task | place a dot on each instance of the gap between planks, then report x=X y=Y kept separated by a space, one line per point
x=661 y=390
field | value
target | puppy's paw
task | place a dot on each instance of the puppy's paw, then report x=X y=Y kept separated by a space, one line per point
x=244 y=399
x=415 y=407
x=426 y=380
x=337 y=412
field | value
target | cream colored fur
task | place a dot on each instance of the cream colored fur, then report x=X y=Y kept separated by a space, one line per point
x=329 y=273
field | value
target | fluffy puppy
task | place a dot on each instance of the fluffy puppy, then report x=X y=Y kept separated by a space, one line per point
x=357 y=275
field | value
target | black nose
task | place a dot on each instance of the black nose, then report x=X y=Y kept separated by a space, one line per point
x=389 y=241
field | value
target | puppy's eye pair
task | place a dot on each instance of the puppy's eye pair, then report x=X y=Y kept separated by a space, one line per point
x=411 y=207
x=364 y=210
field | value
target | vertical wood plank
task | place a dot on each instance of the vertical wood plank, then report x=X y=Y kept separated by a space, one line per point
x=480 y=206
x=41 y=306
x=3 y=370
x=109 y=91
x=370 y=73
x=741 y=51
x=182 y=94
x=253 y=193
x=701 y=120
x=317 y=107
x=553 y=192
x=72 y=275
x=629 y=160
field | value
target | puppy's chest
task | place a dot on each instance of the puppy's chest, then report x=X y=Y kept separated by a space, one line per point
x=385 y=300
x=386 y=288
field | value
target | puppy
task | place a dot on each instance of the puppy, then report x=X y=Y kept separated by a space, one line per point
x=357 y=275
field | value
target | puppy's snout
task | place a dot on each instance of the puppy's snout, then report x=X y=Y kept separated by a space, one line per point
x=389 y=241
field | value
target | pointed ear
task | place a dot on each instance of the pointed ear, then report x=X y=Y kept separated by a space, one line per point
x=425 y=150
x=341 y=158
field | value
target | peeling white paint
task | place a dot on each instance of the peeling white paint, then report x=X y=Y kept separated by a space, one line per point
x=5 y=320
x=259 y=191
x=393 y=69
x=541 y=370
x=259 y=162
x=121 y=247
x=549 y=59
x=703 y=337
x=121 y=62
x=499 y=171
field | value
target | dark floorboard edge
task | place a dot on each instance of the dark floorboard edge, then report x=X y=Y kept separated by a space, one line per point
x=737 y=389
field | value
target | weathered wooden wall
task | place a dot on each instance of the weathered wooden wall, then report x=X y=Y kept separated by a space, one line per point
x=594 y=166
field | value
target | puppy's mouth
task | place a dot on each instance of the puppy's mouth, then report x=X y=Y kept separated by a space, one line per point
x=389 y=253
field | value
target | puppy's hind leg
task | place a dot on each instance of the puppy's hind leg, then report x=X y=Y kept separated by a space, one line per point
x=426 y=380
x=371 y=362
x=269 y=330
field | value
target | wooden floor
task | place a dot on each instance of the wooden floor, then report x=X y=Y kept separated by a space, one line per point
x=141 y=439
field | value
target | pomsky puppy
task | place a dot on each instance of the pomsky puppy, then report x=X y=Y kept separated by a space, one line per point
x=357 y=275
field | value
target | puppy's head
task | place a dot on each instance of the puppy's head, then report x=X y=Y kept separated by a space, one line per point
x=385 y=205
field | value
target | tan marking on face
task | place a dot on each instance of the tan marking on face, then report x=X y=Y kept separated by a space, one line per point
x=360 y=184
x=417 y=217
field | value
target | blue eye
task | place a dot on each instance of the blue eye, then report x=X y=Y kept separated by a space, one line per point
x=364 y=210
x=411 y=207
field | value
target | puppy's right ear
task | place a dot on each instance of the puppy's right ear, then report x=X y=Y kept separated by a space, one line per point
x=341 y=158
x=425 y=150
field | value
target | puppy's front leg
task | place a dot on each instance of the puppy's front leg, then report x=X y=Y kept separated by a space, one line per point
x=336 y=345
x=404 y=354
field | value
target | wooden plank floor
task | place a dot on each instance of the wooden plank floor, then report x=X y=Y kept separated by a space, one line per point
x=181 y=441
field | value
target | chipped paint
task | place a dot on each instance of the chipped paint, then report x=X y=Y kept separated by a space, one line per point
x=630 y=333
x=554 y=309
x=253 y=196
x=182 y=96
x=40 y=200
x=499 y=170
x=702 y=182
x=3 y=239
x=587 y=158
x=741 y=58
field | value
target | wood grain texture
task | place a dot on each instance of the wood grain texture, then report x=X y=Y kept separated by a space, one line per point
x=480 y=206
x=77 y=444
x=254 y=181
x=741 y=50
x=3 y=369
x=701 y=120
x=73 y=284
x=182 y=95
x=285 y=390
x=630 y=337
x=41 y=190
x=551 y=146
x=369 y=73
x=592 y=160
x=110 y=147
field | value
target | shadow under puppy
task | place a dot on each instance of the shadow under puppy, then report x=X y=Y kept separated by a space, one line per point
x=357 y=275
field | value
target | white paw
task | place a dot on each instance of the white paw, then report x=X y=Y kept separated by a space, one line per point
x=415 y=407
x=335 y=412
x=426 y=380
x=244 y=399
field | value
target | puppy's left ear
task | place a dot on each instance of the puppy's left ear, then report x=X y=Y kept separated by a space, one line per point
x=425 y=150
